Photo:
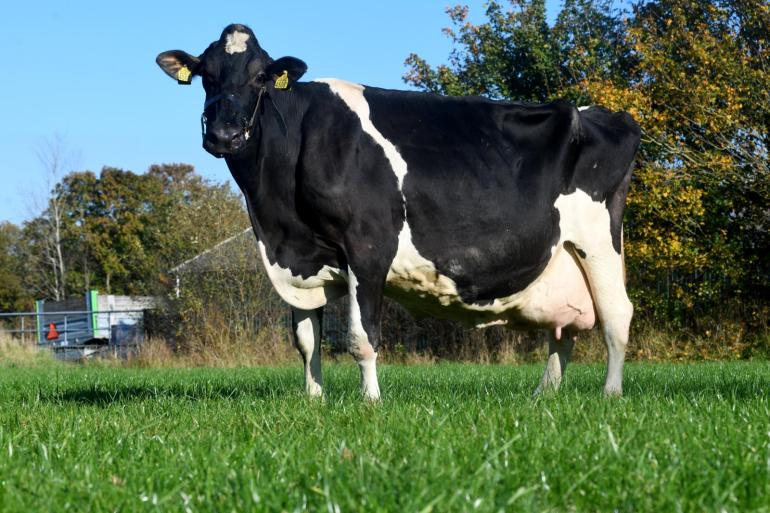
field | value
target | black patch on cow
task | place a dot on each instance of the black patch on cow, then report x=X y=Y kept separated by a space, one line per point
x=580 y=252
x=482 y=180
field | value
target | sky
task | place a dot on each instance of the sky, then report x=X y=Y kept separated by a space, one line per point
x=84 y=73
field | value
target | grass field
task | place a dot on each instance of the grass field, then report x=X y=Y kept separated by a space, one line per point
x=690 y=437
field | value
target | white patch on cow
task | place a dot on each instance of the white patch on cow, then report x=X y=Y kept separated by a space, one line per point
x=411 y=271
x=305 y=293
x=308 y=333
x=235 y=42
x=353 y=95
x=360 y=348
x=584 y=107
x=582 y=219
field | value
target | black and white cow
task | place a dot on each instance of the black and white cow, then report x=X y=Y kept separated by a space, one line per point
x=482 y=211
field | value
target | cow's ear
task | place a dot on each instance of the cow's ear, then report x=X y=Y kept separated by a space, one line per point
x=179 y=65
x=285 y=71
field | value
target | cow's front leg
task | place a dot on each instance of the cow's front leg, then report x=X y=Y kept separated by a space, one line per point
x=306 y=327
x=365 y=296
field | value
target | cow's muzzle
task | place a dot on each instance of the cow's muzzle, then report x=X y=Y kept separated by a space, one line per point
x=225 y=140
x=229 y=139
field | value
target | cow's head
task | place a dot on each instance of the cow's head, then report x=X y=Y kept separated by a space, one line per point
x=238 y=76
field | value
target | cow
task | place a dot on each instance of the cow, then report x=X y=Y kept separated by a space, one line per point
x=464 y=208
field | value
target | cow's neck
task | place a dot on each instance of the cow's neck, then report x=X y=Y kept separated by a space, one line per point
x=266 y=174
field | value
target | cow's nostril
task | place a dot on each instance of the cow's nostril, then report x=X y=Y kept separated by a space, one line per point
x=224 y=141
x=225 y=137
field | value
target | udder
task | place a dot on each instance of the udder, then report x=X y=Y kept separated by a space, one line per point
x=560 y=297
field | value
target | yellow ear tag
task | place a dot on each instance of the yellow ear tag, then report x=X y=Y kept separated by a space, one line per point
x=183 y=76
x=282 y=82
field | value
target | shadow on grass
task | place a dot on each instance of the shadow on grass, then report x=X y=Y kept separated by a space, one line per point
x=122 y=393
x=425 y=384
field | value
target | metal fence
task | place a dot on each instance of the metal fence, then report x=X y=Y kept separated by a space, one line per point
x=79 y=333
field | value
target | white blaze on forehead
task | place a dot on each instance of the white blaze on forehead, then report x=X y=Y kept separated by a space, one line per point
x=236 y=42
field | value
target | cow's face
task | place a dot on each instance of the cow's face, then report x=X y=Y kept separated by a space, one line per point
x=238 y=76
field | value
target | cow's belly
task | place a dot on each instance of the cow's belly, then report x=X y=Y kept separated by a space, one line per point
x=558 y=298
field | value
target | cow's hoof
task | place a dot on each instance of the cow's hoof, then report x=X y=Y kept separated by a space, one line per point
x=544 y=391
x=546 y=388
x=613 y=392
x=371 y=396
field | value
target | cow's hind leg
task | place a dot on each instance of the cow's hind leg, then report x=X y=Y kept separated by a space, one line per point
x=306 y=328
x=365 y=311
x=604 y=269
x=559 y=351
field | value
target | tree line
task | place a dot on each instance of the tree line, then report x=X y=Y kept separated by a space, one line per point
x=116 y=231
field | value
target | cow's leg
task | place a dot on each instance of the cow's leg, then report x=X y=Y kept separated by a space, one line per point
x=604 y=269
x=306 y=327
x=559 y=351
x=365 y=311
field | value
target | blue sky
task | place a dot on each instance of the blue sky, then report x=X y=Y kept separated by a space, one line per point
x=85 y=70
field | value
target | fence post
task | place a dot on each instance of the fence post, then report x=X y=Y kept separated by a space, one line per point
x=23 y=339
x=66 y=343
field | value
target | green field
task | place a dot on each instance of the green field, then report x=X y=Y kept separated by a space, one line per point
x=445 y=438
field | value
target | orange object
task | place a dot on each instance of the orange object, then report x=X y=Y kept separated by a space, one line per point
x=52 y=333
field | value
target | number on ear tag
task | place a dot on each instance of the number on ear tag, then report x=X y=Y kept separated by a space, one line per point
x=282 y=82
x=183 y=76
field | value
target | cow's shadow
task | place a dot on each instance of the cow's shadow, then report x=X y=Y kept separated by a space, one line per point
x=121 y=393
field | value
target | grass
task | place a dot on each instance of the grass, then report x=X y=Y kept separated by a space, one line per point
x=449 y=437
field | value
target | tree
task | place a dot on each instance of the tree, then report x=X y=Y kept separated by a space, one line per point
x=515 y=55
x=698 y=216
x=12 y=296
x=121 y=232
x=46 y=257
